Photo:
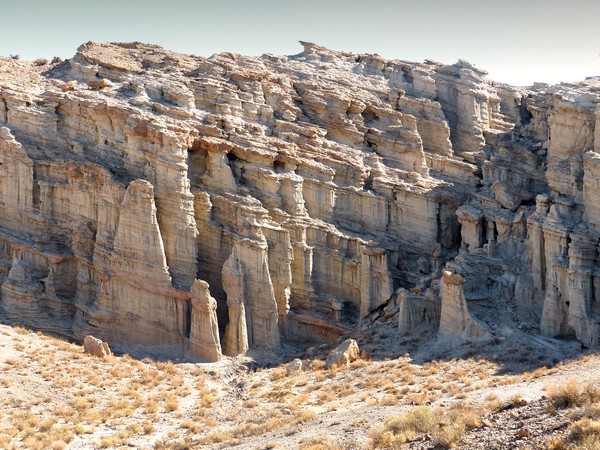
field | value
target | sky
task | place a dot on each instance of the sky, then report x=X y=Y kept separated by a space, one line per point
x=517 y=42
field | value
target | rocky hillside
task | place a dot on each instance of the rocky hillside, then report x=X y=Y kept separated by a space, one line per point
x=202 y=206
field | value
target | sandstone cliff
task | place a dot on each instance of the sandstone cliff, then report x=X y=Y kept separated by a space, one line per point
x=177 y=202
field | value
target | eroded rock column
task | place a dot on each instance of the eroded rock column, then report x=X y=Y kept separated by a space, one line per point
x=250 y=298
x=456 y=320
x=204 y=329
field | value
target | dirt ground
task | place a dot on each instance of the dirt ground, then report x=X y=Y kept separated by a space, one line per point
x=54 y=396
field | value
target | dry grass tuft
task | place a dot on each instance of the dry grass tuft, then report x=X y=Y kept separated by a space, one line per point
x=584 y=431
x=320 y=443
x=572 y=394
x=445 y=427
x=70 y=395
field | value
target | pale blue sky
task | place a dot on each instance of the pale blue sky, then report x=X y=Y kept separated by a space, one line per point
x=516 y=41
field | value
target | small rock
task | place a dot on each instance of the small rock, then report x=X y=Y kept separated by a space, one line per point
x=523 y=433
x=99 y=84
x=68 y=86
x=306 y=364
x=294 y=366
x=390 y=311
x=486 y=423
x=96 y=347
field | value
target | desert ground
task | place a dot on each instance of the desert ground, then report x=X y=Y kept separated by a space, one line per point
x=400 y=393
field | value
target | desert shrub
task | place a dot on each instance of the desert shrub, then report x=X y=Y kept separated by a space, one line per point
x=565 y=395
x=320 y=443
x=556 y=443
x=404 y=427
x=584 y=431
x=469 y=416
x=448 y=434
x=445 y=427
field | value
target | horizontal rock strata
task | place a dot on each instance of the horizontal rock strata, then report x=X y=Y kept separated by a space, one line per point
x=181 y=203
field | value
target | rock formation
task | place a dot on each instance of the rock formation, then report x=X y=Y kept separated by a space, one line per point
x=456 y=320
x=175 y=202
x=96 y=347
x=343 y=354
x=204 y=327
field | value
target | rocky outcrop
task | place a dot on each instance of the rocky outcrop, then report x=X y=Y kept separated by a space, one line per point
x=417 y=310
x=214 y=205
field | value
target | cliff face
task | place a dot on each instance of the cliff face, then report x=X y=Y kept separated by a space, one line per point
x=182 y=203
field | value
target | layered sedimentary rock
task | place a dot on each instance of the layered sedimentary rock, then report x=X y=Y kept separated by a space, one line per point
x=456 y=320
x=214 y=205
x=204 y=327
x=253 y=317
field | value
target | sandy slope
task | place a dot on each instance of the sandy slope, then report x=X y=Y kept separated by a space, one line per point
x=121 y=401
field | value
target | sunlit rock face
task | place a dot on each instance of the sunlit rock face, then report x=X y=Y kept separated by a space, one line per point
x=180 y=204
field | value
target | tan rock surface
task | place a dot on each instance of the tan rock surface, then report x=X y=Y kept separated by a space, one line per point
x=96 y=347
x=176 y=202
x=204 y=327
x=456 y=321
x=343 y=354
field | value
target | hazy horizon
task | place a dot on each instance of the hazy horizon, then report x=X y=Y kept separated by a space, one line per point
x=517 y=42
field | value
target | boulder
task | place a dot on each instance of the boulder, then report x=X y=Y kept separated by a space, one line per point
x=99 y=84
x=294 y=366
x=509 y=197
x=343 y=354
x=96 y=347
